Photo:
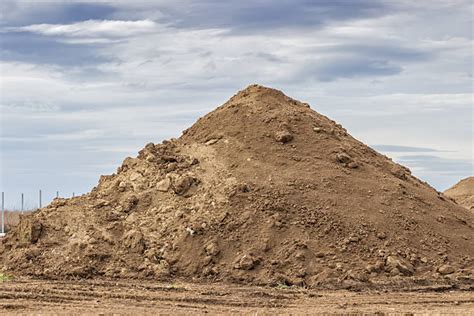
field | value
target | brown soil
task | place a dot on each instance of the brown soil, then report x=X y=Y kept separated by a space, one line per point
x=463 y=193
x=132 y=297
x=12 y=218
x=261 y=191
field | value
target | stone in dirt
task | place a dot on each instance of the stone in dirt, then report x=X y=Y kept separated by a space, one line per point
x=133 y=240
x=399 y=264
x=182 y=184
x=164 y=185
x=247 y=262
x=212 y=249
x=283 y=137
x=446 y=269
x=343 y=158
x=255 y=207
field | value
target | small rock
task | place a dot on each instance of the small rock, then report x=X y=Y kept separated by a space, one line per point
x=133 y=240
x=207 y=260
x=164 y=185
x=212 y=141
x=172 y=166
x=122 y=186
x=353 y=165
x=101 y=203
x=353 y=239
x=317 y=129
x=183 y=184
x=377 y=267
x=247 y=262
x=395 y=271
x=130 y=203
x=381 y=235
x=33 y=231
x=58 y=202
x=190 y=231
x=399 y=264
x=446 y=269
x=135 y=176
x=150 y=146
x=300 y=255
x=150 y=158
x=343 y=158
x=212 y=249
x=283 y=137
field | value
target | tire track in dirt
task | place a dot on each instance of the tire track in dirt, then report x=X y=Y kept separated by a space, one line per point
x=147 y=296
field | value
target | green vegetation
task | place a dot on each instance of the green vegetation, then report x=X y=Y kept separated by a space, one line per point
x=283 y=286
x=5 y=277
x=175 y=286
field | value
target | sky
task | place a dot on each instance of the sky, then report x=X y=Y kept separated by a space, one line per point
x=85 y=84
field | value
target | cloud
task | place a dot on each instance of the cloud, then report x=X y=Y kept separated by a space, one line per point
x=265 y=16
x=438 y=171
x=437 y=164
x=91 y=28
x=84 y=84
x=30 y=48
x=396 y=148
x=81 y=135
x=21 y=12
x=328 y=69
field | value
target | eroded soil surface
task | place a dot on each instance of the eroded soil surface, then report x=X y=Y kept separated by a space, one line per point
x=139 y=297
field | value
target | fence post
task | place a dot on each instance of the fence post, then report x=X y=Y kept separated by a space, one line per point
x=39 y=198
x=22 y=203
x=57 y=194
x=72 y=194
x=3 y=213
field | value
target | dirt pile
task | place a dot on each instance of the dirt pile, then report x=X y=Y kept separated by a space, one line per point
x=463 y=193
x=263 y=190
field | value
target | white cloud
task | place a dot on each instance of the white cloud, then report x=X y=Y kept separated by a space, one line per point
x=154 y=79
x=92 y=28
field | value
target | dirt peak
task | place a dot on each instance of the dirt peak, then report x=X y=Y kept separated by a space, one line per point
x=258 y=89
x=254 y=111
x=262 y=93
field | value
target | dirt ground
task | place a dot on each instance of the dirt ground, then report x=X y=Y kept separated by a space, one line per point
x=27 y=296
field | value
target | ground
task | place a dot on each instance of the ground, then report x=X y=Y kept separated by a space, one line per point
x=26 y=296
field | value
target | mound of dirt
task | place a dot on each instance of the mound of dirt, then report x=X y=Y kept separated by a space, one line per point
x=263 y=190
x=463 y=193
